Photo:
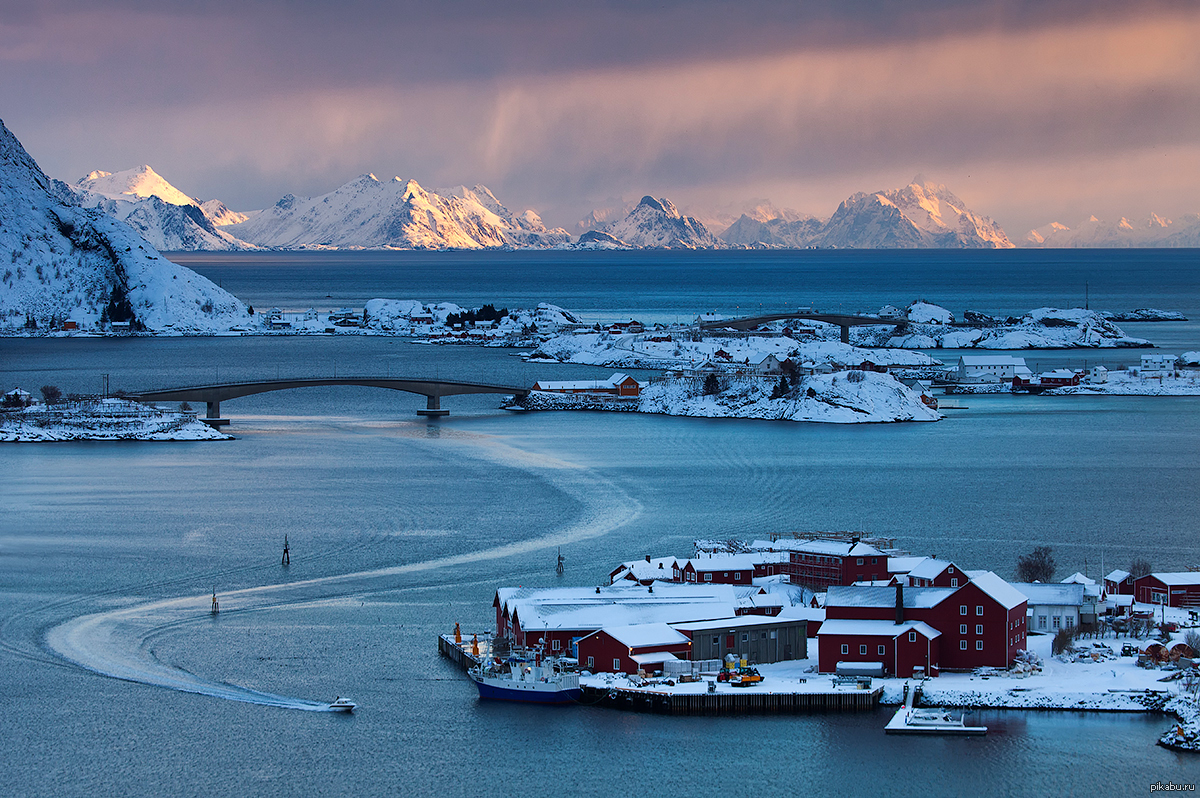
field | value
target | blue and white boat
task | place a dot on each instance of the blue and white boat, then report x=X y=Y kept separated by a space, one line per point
x=527 y=682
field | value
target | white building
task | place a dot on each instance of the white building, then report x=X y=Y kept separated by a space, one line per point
x=1052 y=606
x=1158 y=365
x=991 y=368
x=1097 y=374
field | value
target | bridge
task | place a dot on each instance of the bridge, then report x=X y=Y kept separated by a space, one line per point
x=213 y=395
x=843 y=320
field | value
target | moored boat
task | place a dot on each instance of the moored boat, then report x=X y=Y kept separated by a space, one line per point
x=525 y=681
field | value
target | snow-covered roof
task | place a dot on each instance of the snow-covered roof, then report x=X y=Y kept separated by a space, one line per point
x=645 y=634
x=1070 y=595
x=1178 y=577
x=802 y=612
x=738 y=622
x=1121 y=600
x=581 y=385
x=929 y=568
x=1007 y=595
x=1078 y=579
x=914 y=597
x=656 y=657
x=656 y=568
x=735 y=562
x=1117 y=575
x=902 y=565
x=843 y=626
x=616 y=605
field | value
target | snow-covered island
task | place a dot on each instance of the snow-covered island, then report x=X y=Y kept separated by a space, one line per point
x=845 y=397
x=101 y=420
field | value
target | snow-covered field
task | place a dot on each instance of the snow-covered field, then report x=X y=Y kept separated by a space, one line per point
x=103 y=420
x=927 y=327
x=1122 y=383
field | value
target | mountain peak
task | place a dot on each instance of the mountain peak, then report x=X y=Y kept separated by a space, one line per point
x=141 y=181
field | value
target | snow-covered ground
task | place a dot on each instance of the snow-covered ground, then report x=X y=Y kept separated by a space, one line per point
x=928 y=327
x=1122 y=383
x=840 y=398
x=103 y=420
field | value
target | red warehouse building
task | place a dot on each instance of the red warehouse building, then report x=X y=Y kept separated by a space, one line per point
x=981 y=623
x=903 y=648
x=1176 y=589
x=628 y=649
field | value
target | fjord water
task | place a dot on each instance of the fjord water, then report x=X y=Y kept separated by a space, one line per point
x=399 y=527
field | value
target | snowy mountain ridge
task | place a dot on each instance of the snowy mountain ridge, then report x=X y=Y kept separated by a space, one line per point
x=63 y=262
x=397 y=214
x=1153 y=231
x=658 y=224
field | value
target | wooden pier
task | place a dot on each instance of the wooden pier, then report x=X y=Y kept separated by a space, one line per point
x=725 y=703
x=459 y=655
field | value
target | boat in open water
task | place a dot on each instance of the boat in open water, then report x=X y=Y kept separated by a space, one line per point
x=537 y=681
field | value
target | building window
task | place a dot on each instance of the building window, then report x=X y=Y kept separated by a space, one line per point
x=978 y=628
x=1070 y=621
x=863 y=649
x=1056 y=621
x=745 y=637
x=774 y=634
x=737 y=576
x=962 y=609
x=912 y=637
x=874 y=561
x=1041 y=621
x=616 y=664
x=860 y=561
x=962 y=628
x=591 y=663
x=555 y=645
x=950 y=569
x=708 y=577
x=979 y=645
x=882 y=651
x=845 y=648
x=716 y=640
x=954 y=582
x=962 y=645
x=979 y=609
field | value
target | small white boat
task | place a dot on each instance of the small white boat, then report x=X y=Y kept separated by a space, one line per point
x=340 y=704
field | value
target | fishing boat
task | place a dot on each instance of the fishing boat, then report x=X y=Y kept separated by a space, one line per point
x=533 y=682
x=340 y=704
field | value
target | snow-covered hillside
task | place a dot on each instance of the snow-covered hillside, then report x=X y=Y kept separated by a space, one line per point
x=1154 y=231
x=372 y=214
x=63 y=262
x=775 y=233
x=657 y=224
x=159 y=212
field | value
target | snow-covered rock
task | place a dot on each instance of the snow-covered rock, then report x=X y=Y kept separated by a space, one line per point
x=1146 y=314
x=841 y=398
x=773 y=233
x=137 y=183
x=657 y=224
x=61 y=262
x=104 y=420
x=922 y=312
x=220 y=215
x=368 y=213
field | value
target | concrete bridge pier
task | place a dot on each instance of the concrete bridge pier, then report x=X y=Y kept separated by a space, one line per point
x=433 y=407
x=845 y=333
x=214 y=415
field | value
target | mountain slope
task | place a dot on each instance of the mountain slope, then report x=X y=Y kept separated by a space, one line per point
x=62 y=261
x=156 y=210
x=657 y=224
x=398 y=214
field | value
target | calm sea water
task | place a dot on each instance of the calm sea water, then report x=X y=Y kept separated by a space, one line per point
x=399 y=527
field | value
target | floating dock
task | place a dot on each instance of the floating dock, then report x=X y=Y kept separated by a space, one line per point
x=909 y=720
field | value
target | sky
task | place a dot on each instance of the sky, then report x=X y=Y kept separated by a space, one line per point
x=1030 y=110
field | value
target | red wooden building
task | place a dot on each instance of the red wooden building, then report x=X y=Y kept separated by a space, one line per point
x=1174 y=589
x=731 y=569
x=981 y=623
x=628 y=649
x=903 y=648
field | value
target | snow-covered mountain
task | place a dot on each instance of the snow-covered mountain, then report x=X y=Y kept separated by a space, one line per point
x=372 y=214
x=1153 y=231
x=62 y=262
x=161 y=213
x=657 y=224
x=920 y=215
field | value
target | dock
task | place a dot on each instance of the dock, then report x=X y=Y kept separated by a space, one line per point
x=461 y=655
x=908 y=720
x=723 y=703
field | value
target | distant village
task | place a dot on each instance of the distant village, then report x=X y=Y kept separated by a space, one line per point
x=857 y=600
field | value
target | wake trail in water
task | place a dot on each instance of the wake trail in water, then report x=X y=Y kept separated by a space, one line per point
x=116 y=642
